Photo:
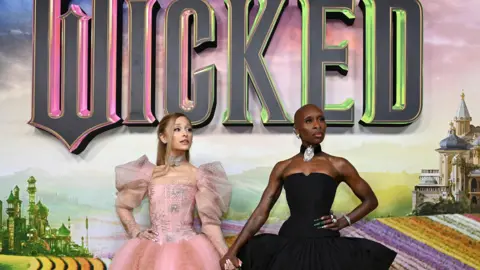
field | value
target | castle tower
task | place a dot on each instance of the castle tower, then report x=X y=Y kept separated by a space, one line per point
x=456 y=177
x=17 y=205
x=449 y=147
x=462 y=118
x=476 y=149
x=32 y=190
x=10 y=208
x=41 y=218
x=11 y=221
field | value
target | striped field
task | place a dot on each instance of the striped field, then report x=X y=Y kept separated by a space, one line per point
x=433 y=242
x=44 y=262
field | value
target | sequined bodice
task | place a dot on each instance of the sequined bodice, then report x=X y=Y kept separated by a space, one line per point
x=171 y=207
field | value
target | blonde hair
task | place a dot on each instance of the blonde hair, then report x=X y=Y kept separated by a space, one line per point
x=165 y=127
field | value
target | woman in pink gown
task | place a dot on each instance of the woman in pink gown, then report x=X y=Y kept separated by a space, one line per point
x=174 y=188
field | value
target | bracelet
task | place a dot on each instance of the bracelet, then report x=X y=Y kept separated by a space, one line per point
x=348 y=220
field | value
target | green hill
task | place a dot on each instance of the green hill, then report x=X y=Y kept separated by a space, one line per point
x=393 y=190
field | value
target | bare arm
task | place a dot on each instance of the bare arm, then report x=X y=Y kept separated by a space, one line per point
x=360 y=188
x=262 y=211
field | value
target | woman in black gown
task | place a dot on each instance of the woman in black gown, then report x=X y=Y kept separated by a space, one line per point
x=309 y=239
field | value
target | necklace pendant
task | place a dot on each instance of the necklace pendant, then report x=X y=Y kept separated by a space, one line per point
x=309 y=153
x=175 y=161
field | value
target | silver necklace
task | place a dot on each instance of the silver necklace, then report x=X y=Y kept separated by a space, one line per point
x=309 y=153
x=175 y=161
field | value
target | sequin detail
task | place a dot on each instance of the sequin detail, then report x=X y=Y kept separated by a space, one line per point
x=171 y=208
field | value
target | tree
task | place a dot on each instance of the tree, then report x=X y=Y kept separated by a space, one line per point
x=443 y=206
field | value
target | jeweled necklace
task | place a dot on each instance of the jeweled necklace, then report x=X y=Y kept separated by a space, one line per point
x=175 y=161
x=310 y=151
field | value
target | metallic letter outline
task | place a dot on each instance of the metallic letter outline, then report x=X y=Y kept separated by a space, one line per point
x=283 y=118
x=44 y=114
x=176 y=97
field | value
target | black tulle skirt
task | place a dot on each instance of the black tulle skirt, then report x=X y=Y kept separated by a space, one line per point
x=329 y=251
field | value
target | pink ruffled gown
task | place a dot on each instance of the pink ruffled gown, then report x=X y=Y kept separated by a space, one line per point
x=173 y=198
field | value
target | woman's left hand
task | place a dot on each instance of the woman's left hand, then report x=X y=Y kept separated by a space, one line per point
x=330 y=222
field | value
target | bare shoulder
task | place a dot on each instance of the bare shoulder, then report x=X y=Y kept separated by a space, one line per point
x=282 y=165
x=191 y=167
x=341 y=164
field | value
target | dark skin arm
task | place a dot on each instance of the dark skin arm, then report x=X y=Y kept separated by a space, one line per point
x=261 y=213
x=360 y=188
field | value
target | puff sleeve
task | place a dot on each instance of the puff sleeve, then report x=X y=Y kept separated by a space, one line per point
x=213 y=200
x=131 y=181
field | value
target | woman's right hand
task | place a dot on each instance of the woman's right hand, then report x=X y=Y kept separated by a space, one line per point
x=147 y=235
x=230 y=262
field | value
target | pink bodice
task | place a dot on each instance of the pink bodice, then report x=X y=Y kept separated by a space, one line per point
x=171 y=211
x=174 y=195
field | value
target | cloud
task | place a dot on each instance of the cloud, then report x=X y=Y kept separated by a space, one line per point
x=439 y=40
x=15 y=67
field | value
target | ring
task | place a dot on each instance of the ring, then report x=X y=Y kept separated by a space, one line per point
x=334 y=220
x=229 y=264
x=332 y=217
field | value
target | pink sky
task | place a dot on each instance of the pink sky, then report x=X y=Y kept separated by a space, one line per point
x=451 y=63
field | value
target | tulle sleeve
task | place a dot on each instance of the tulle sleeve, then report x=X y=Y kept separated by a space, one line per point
x=213 y=200
x=131 y=181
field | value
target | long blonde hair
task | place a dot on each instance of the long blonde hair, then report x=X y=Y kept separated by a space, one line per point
x=166 y=127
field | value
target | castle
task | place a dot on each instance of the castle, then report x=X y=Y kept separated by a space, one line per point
x=458 y=152
x=32 y=235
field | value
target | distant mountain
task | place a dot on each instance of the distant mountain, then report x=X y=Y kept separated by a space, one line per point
x=92 y=189
x=392 y=189
x=92 y=193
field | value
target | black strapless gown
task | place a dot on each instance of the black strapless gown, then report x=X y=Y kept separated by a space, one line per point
x=301 y=246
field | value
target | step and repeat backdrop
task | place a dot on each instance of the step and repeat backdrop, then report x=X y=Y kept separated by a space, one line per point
x=82 y=84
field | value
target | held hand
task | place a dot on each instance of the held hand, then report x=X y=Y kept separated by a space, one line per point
x=330 y=222
x=148 y=235
x=230 y=262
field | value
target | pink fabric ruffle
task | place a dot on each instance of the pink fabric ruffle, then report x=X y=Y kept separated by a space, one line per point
x=131 y=181
x=213 y=200
x=196 y=253
x=214 y=191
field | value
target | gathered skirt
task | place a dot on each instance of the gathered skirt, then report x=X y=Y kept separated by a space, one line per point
x=196 y=253
x=275 y=252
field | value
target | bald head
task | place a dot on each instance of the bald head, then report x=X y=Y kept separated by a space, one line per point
x=301 y=113
x=310 y=124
